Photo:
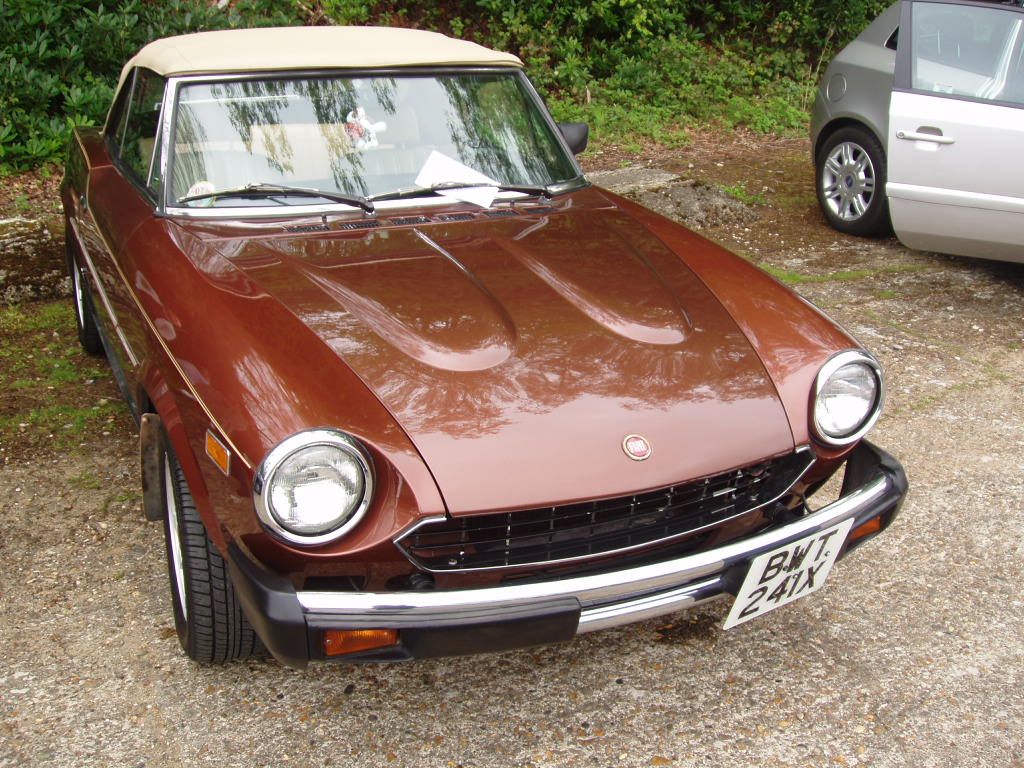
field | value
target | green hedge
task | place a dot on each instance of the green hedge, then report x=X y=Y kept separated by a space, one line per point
x=632 y=68
x=59 y=62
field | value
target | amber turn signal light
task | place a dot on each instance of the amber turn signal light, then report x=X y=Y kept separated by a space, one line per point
x=218 y=453
x=866 y=529
x=338 y=642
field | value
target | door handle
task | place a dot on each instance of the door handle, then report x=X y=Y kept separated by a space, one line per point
x=83 y=203
x=935 y=138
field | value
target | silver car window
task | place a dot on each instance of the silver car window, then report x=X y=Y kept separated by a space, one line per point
x=968 y=51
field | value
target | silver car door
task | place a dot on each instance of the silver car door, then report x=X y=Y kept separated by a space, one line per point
x=956 y=128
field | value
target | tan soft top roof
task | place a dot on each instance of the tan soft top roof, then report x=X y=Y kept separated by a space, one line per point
x=308 y=48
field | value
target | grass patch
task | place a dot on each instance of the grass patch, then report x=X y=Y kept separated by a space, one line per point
x=127 y=497
x=21 y=204
x=997 y=374
x=797 y=278
x=45 y=316
x=87 y=481
x=39 y=347
x=51 y=392
x=739 y=192
x=927 y=402
x=69 y=423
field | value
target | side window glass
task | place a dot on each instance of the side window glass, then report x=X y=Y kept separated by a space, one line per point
x=119 y=114
x=140 y=135
x=968 y=51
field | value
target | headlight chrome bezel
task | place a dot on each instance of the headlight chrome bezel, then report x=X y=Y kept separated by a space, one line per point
x=264 y=478
x=834 y=364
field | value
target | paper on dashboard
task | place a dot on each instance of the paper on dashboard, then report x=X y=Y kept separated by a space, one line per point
x=440 y=169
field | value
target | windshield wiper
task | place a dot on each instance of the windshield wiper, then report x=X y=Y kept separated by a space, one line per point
x=272 y=190
x=400 y=194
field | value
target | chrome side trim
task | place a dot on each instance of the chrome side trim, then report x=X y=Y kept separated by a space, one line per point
x=102 y=293
x=803 y=449
x=156 y=335
x=606 y=599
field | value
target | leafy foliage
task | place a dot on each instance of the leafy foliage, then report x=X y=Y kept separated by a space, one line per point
x=59 y=62
x=633 y=68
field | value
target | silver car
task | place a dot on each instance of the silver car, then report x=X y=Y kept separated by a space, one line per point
x=918 y=125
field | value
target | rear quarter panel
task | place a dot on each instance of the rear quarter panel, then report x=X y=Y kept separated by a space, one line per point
x=857 y=83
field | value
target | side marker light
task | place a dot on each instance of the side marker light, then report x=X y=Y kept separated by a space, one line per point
x=218 y=453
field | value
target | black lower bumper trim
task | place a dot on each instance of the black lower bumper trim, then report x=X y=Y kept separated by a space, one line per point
x=553 y=622
x=272 y=608
x=521 y=615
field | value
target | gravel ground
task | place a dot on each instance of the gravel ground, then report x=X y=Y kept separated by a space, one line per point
x=912 y=655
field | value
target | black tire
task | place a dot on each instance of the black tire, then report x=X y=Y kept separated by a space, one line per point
x=842 y=185
x=85 y=315
x=207 y=616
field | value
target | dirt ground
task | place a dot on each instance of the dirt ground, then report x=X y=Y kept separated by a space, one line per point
x=912 y=655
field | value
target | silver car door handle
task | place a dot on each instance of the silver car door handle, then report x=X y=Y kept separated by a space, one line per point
x=935 y=138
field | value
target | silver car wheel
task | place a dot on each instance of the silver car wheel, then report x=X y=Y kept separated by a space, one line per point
x=76 y=286
x=174 y=535
x=848 y=181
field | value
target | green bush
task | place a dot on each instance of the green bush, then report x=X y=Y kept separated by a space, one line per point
x=633 y=68
x=59 y=62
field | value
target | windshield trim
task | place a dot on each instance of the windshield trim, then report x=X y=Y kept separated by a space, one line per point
x=332 y=209
x=166 y=206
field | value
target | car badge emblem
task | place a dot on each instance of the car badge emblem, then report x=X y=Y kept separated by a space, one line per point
x=636 y=447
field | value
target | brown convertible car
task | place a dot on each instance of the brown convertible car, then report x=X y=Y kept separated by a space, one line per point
x=408 y=385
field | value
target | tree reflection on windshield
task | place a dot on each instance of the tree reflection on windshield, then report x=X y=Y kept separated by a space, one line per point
x=499 y=133
x=358 y=135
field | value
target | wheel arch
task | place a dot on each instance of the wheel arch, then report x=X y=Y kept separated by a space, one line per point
x=846 y=121
x=155 y=395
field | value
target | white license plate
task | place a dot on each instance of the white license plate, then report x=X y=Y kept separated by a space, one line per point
x=787 y=573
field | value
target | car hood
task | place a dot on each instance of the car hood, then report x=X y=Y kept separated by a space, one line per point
x=518 y=351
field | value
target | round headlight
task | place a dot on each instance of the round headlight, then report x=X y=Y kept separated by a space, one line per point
x=847 y=397
x=313 y=487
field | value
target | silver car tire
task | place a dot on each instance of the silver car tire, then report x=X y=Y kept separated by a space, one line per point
x=850 y=172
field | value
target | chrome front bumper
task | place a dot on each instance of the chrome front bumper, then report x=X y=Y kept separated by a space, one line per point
x=874 y=486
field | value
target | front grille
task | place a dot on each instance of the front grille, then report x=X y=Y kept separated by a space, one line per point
x=596 y=528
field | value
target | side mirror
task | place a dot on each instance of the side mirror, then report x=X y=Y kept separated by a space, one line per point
x=576 y=135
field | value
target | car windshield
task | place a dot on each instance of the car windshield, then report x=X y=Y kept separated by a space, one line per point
x=357 y=136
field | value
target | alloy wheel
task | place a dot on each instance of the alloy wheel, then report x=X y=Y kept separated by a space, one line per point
x=848 y=181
